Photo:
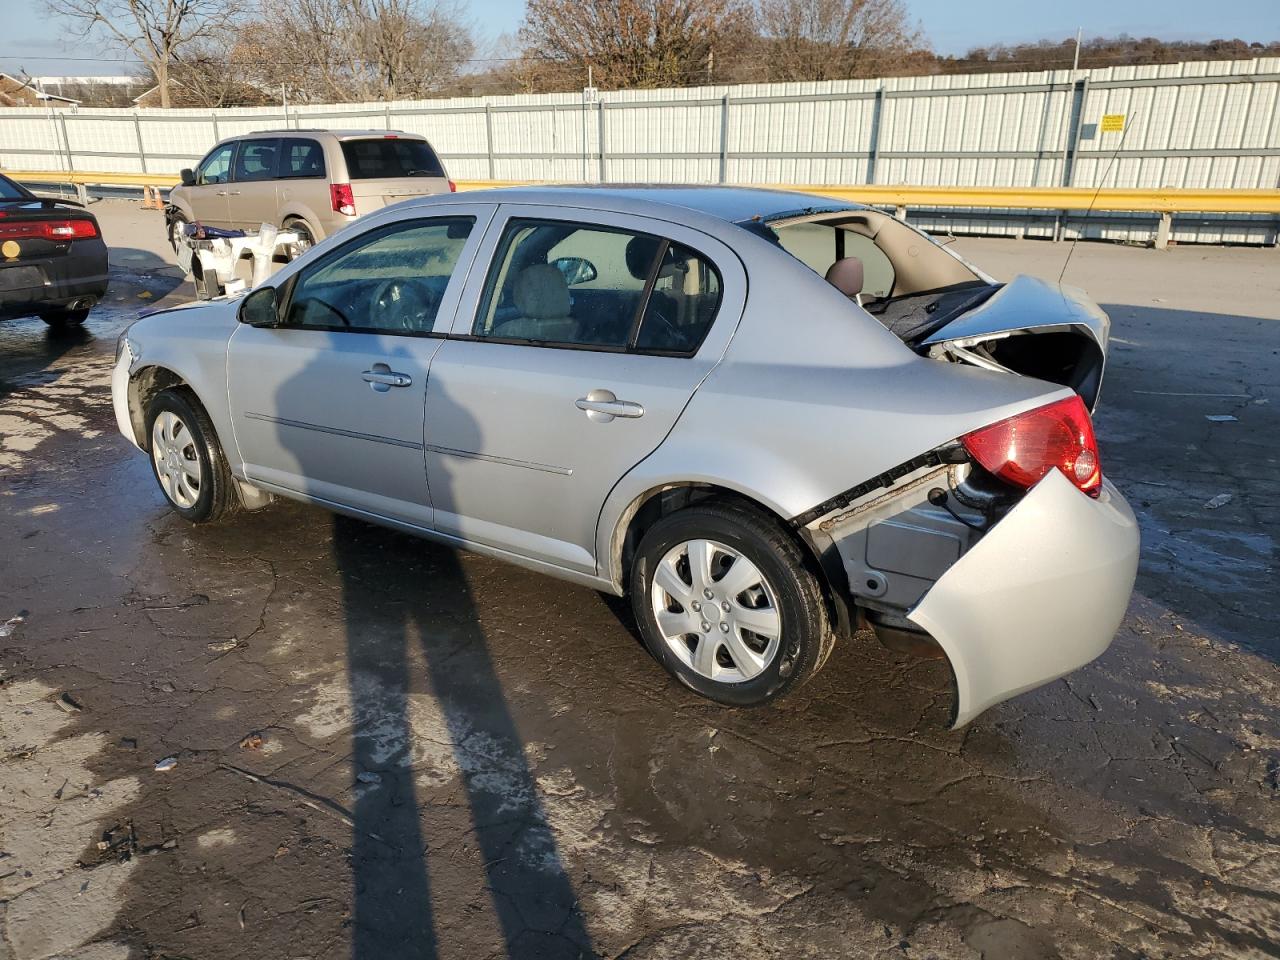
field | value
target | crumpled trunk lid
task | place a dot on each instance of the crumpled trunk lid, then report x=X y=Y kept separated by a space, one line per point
x=1034 y=328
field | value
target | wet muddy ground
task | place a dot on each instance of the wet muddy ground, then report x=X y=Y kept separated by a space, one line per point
x=384 y=749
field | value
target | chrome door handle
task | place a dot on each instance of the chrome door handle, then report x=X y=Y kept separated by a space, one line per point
x=233 y=193
x=382 y=378
x=602 y=406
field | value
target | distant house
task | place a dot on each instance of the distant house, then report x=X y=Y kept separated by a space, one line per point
x=16 y=92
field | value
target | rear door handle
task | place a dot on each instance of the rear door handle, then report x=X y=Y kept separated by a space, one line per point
x=602 y=406
x=382 y=378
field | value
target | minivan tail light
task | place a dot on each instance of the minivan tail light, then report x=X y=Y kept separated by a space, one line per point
x=1024 y=448
x=453 y=187
x=344 y=201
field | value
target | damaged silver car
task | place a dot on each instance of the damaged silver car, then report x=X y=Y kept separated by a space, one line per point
x=769 y=418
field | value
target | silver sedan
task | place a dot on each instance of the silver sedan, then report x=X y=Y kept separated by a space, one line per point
x=767 y=417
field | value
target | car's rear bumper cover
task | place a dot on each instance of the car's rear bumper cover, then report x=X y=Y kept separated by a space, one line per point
x=1040 y=595
x=48 y=283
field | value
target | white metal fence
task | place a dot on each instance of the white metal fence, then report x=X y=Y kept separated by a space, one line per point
x=1205 y=125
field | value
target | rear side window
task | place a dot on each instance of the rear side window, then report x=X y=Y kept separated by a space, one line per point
x=256 y=160
x=10 y=190
x=560 y=283
x=301 y=158
x=389 y=157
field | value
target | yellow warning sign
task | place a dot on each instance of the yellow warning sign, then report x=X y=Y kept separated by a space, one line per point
x=1112 y=122
x=10 y=249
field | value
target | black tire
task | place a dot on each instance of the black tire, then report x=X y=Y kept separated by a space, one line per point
x=305 y=234
x=806 y=636
x=217 y=497
x=60 y=321
x=174 y=225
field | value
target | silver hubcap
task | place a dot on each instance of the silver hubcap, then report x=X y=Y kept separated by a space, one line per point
x=173 y=449
x=716 y=611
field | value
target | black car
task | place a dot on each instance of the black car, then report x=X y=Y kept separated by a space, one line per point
x=53 y=261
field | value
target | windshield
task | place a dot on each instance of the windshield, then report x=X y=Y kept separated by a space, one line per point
x=389 y=157
x=11 y=191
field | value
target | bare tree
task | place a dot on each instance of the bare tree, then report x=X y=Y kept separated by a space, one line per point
x=344 y=50
x=155 y=31
x=835 y=39
x=632 y=43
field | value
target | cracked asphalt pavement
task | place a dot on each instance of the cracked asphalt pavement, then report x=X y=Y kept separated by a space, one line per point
x=384 y=749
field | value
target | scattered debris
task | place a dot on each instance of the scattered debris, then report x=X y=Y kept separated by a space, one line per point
x=223 y=646
x=167 y=764
x=129 y=743
x=169 y=844
x=366 y=776
x=1220 y=418
x=281 y=851
x=145 y=295
x=12 y=624
x=1220 y=500
x=253 y=741
x=68 y=705
x=58 y=794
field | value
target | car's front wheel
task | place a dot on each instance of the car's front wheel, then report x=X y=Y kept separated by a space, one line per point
x=186 y=459
x=727 y=604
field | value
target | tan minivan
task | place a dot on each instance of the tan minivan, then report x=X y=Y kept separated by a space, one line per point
x=310 y=181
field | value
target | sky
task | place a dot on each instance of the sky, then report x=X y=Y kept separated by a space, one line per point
x=33 y=41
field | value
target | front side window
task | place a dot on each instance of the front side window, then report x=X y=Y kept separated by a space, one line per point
x=216 y=167
x=390 y=157
x=301 y=158
x=392 y=280
x=256 y=160
x=585 y=285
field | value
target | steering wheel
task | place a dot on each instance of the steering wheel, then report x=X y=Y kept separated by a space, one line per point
x=401 y=304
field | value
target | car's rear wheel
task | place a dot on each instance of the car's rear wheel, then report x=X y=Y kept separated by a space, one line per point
x=306 y=239
x=727 y=604
x=186 y=459
x=62 y=320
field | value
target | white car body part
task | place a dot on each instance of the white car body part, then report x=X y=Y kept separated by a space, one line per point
x=1040 y=595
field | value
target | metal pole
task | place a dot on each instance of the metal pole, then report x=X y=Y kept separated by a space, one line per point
x=1071 y=81
x=724 y=138
x=877 y=114
x=215 y=127
x=488 y=138
x=601 y=138
x=142 y=153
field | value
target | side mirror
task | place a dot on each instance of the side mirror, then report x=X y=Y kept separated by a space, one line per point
x=575 y=269
x=260 y=308
x=187 y=176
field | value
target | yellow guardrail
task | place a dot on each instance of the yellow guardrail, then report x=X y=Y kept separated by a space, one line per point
x=1165 y=202
x=1030 y=198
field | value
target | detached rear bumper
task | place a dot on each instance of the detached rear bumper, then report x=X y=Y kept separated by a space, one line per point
x=1040 y=595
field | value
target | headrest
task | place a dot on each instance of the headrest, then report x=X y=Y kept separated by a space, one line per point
x=846 y=276
x=640 y=254
x=541 y=291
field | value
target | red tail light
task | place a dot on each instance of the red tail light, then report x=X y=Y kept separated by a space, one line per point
x=1022 y=449
x=344 y=201
x=48 y=230
x=453 y=187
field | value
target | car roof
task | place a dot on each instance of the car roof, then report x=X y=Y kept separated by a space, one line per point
x=737 y=205
x=337 y=134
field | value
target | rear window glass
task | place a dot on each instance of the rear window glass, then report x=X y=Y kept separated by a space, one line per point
x=10 y=190
x=390 y=157
x=301 y=158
